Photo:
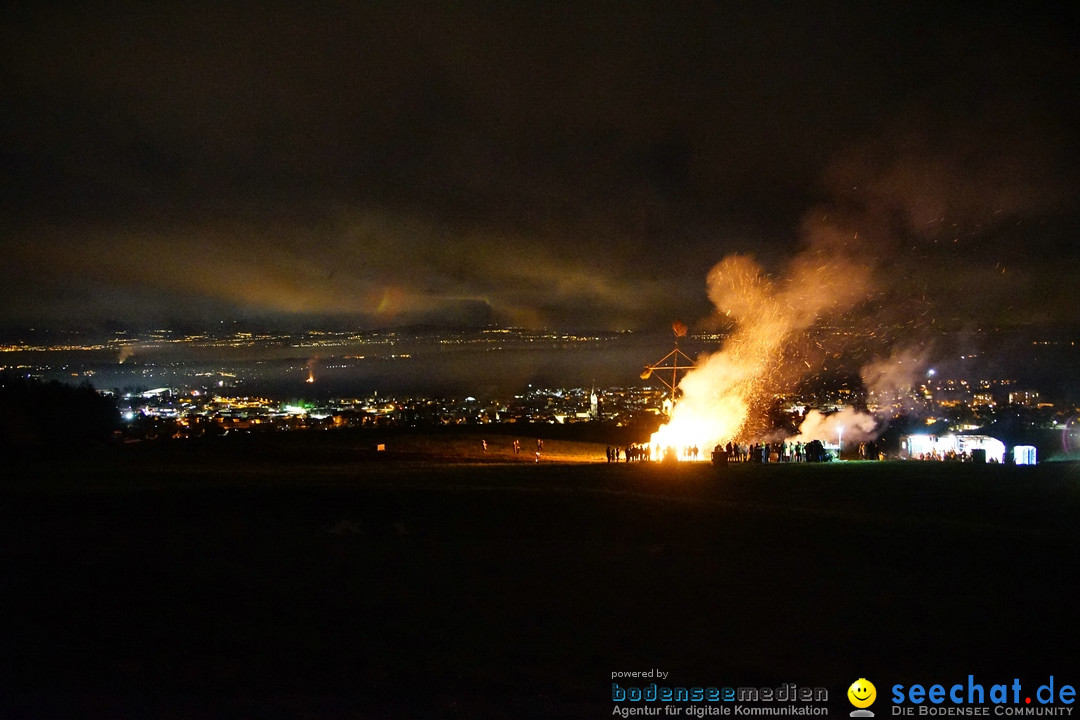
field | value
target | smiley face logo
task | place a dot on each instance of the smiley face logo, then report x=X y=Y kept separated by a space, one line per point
x=862 y=693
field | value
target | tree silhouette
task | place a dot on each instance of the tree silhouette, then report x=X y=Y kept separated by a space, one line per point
x=33 y=412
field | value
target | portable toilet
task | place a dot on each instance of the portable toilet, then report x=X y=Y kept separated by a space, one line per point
x=1024 y=455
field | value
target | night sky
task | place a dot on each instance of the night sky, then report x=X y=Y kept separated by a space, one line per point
x=565 y=165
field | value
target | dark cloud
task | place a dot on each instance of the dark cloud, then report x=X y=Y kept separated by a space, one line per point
x=542 y=164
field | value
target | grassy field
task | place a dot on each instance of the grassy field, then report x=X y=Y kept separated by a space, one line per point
x=321 y=578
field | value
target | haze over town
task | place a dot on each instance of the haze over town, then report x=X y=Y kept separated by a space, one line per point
x=530 y=166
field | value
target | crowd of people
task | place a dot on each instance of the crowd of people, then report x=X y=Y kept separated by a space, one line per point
x=735 y=452
x=631 y=453
x=962 y=456
x=782 y=451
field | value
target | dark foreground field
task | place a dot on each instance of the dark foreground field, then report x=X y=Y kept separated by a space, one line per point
x=158 y=583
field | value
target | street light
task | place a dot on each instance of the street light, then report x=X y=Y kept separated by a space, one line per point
x=839 y=440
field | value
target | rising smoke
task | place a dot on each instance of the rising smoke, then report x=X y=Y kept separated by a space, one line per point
x=902 y=208
x=890 y=380
x=845 y=424
x=770 y=316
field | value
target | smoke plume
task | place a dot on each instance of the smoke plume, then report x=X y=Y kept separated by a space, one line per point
x=847 y=424
x=882 y=254
x=769 y=316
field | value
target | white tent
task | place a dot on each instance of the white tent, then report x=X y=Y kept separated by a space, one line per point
x=915 y=447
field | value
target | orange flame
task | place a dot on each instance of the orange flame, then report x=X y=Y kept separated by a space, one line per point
x=717 y=395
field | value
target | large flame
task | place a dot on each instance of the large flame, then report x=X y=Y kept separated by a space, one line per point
x=718 y=395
